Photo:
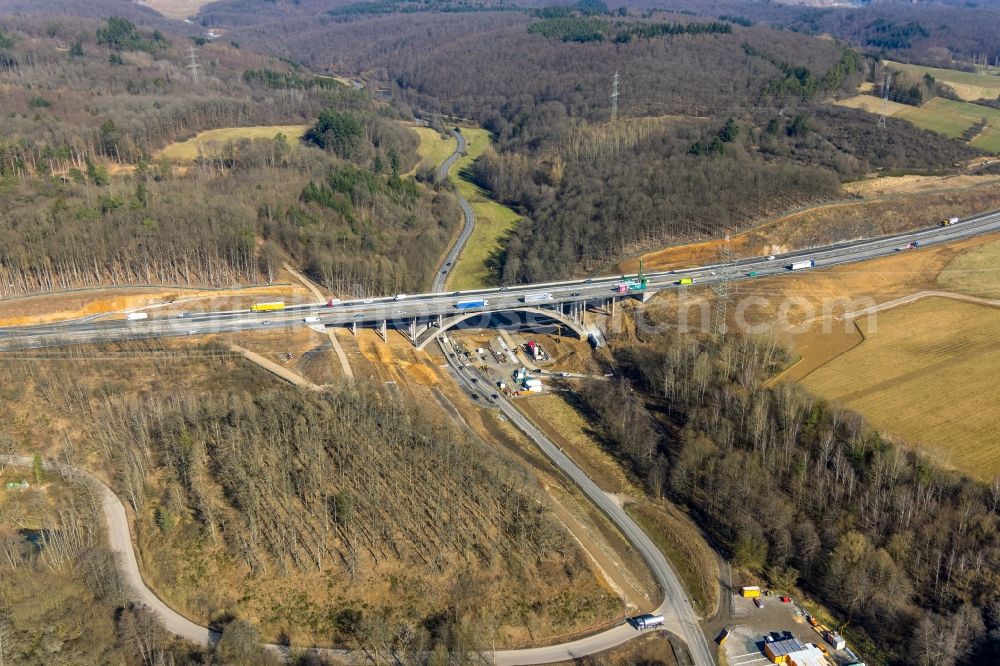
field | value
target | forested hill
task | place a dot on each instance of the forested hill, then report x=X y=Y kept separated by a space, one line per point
x=91 y=9
x=721 y=122
x=942 y=32
x=804 y=494
x=81 y=88
x=479 y=64
x=87 y=199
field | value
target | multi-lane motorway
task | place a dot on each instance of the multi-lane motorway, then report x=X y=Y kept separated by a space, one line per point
x=428 y=307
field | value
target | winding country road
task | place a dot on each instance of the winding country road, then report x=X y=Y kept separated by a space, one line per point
x=120 y=543
x=469 y=217
x=680 y=617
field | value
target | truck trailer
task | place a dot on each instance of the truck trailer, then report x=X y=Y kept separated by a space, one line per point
x=267 y=307
x=799 y=265
x=648 y=620
x=137 y=316
x=471 y=304
x=536 y=298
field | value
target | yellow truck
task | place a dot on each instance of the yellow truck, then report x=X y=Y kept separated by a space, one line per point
x=686 y=281
x=267 y=307
x=750 y=592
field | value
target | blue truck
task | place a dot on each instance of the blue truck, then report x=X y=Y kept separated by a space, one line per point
x=475 y=303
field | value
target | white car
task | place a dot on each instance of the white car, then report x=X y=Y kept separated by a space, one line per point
x=770 y=257
x=368 y=301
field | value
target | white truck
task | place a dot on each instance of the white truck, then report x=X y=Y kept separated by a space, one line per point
x=311 y=319
x=537 y=298
x=137 y=316
x=648 y=621
x=799 y=265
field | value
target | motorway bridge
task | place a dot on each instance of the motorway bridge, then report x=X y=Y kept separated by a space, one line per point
x=421 y=317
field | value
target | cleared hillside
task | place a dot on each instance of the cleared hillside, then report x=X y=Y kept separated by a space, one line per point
x=319 y=516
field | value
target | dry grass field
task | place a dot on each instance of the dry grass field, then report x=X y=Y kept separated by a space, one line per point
x=944 y=116
x=576 y=437
x=494 y=222
x=888 y=205
x=474 y=267
x=188 y=151
x=176 y=9
x=975 y=272
x=970 y=86
x=433 y=149
x=926 y=372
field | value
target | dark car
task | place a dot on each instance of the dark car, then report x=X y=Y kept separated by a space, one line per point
x=588 y=280
x=475 y=396
x=575 y=294
x=494 y=396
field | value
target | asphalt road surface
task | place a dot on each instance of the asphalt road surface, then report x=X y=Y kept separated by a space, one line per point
x=120 y=543
x=427 y=307
x=680 y=618
x=468 y=215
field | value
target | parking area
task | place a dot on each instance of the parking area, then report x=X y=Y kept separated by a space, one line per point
x=754 y=627
x=509 y=363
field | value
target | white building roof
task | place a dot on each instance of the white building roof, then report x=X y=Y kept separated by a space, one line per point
x=808 y=656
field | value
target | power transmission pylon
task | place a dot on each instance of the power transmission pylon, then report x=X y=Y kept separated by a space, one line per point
x=193 y=65
x=723 y=289
x=614 y=98
x=885 y=98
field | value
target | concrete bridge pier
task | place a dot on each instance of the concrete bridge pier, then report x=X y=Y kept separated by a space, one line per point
x=382 y=331
x=354 y=327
